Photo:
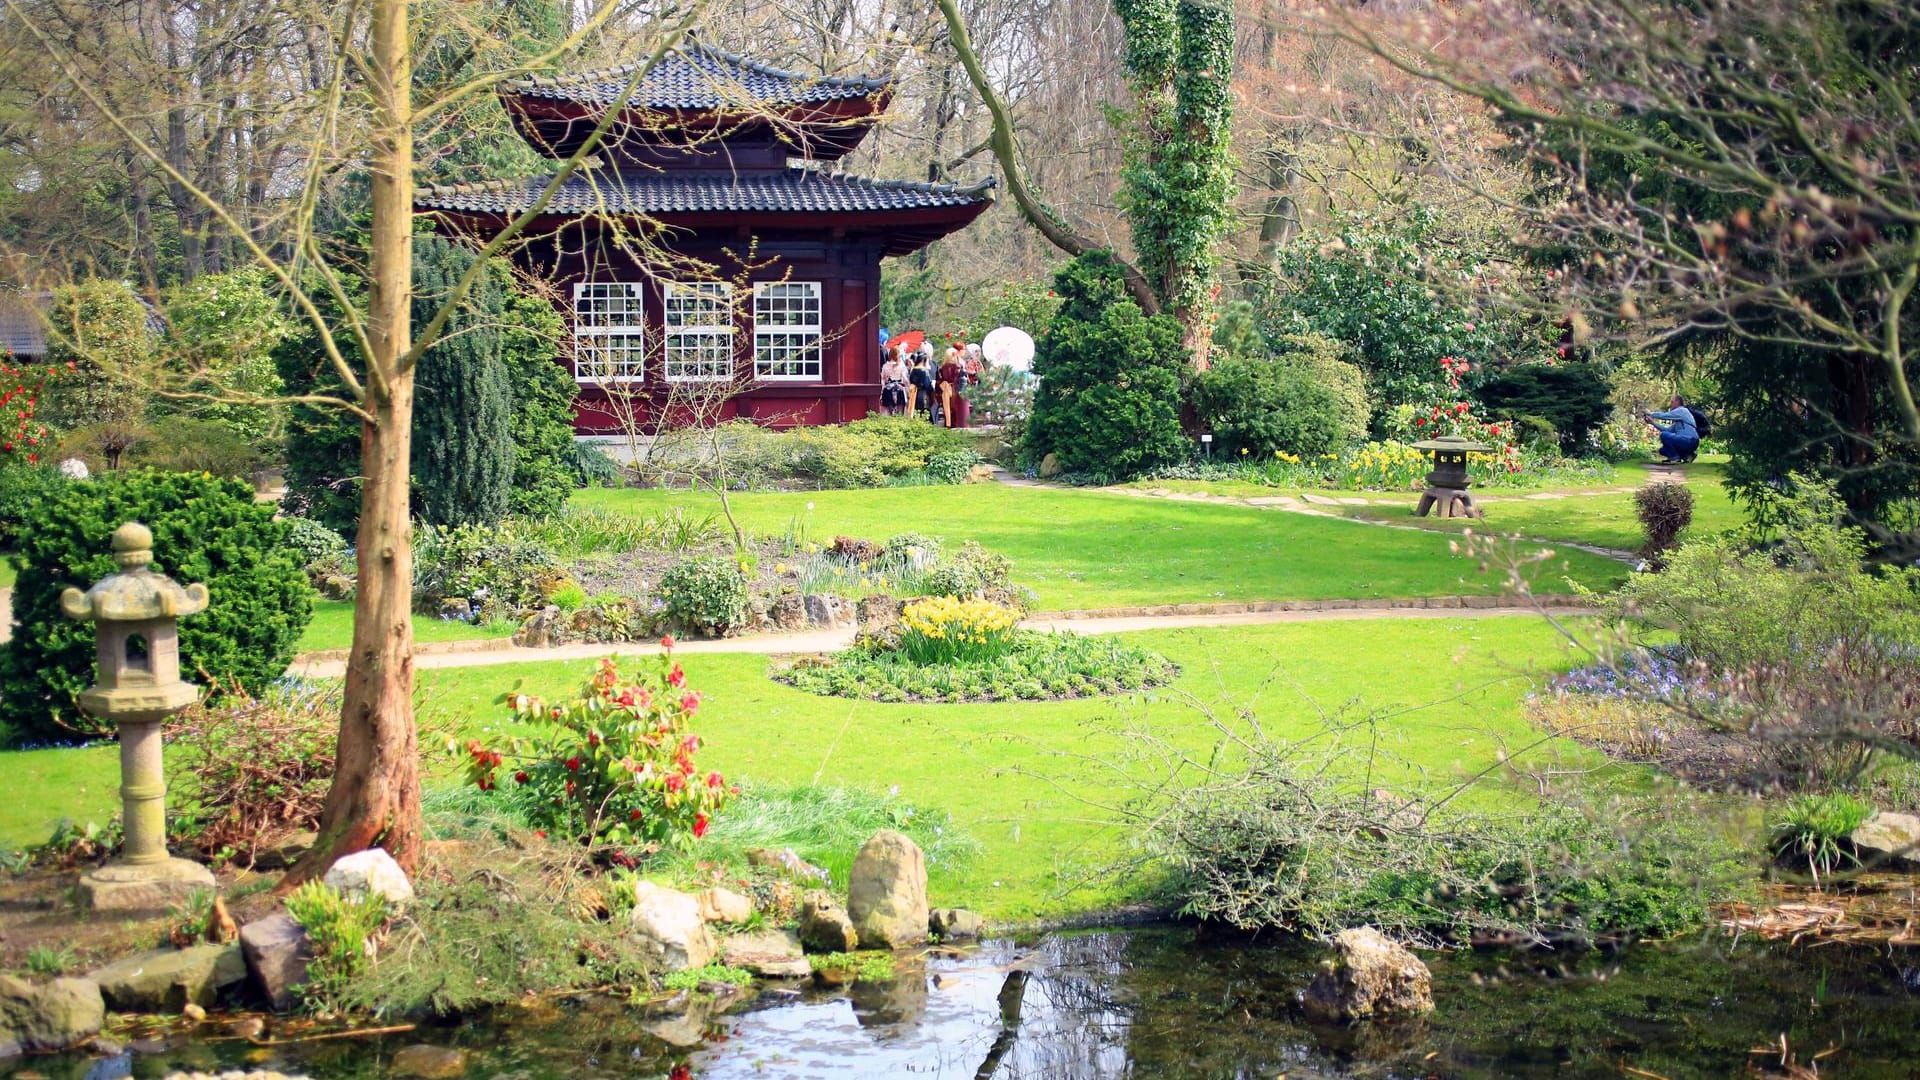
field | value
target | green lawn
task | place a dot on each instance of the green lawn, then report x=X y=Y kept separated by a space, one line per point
x=332 y=628
x=1023 y=778
x=1607 y=520
x=1020 y=778
x=1092 y=549
x=44 y=786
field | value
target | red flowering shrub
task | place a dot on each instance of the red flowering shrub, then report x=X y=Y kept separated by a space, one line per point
x=1452 y=414
x=21 y=434
x=613 y=765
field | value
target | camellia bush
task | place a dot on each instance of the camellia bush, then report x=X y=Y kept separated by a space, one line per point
x=1395 y=292
x=205 y=529
x=613 y=764
x=1450 y=414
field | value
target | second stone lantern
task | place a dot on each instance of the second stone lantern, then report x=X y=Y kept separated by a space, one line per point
x=135 y=615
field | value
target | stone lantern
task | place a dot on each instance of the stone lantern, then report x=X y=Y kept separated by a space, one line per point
x=135 y=615
x=1447 y=483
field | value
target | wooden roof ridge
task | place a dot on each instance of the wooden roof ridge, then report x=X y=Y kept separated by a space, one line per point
x=856 y=85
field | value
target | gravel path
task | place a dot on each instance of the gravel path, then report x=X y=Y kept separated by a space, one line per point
x=1110 y=621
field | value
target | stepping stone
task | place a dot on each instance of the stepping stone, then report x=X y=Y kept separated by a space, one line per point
x=1274 y=500
x=1321 y=500
x=1355 y=502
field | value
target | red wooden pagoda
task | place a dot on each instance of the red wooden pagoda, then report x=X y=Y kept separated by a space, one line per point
x=708 y=242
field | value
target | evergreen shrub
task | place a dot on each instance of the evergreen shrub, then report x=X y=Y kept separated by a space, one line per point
x=1571 y=398
x=1108 y=402
x=205 y=529
x=463 y=451
x=1260 y=405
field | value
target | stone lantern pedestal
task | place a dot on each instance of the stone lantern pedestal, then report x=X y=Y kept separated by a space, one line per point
x=135 y=614
x=1446 y=491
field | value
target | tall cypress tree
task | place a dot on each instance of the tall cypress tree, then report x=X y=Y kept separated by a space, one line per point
x=462 y=435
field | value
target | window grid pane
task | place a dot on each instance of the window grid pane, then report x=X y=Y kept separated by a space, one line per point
x=786 y=330
x=699 y=331
x=609 y=334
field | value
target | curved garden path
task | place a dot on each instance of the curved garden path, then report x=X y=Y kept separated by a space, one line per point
x=1103 y=621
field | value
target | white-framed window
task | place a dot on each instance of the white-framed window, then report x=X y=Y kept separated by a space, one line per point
x=609 y=333
x=786 y=330
x=699 y=331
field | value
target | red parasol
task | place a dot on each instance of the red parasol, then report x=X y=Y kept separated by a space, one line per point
x=910 y=341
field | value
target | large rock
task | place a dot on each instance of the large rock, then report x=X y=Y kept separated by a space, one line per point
x=956 y=924
x=1891 y=840
x=48 y=1016
x=170 y=979
x=877 y=613
x=787 y=863
x=667 y=926
x=773 y=954
x=1049 y=467
x=788 y=612
x=887 y=892
x=544 y=629
x=370 y=872
x=285 y=851
x=829 y=612
x=1369 y=975
x=824 y=925
x=277 y=953
x=718 y=905
x=427 y=1061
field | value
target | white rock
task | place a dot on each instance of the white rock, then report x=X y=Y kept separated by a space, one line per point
x=719 y=905
x=887 y=892
x=1889 y=840
x=667 y=926
x=370 y=872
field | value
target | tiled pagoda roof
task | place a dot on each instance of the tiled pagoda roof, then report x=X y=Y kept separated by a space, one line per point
x=697 y=77
x=616 y=193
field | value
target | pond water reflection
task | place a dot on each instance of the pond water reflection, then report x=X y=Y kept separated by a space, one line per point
x=1177 y=1003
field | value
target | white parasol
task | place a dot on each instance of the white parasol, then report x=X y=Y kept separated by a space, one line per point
x=1009 y=347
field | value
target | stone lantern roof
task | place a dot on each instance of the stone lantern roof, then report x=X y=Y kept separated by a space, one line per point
x=137 y=593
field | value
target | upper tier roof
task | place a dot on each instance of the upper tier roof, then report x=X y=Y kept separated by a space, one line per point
x=698 y=76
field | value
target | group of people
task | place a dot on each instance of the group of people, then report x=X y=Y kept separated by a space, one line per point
x=909 y=383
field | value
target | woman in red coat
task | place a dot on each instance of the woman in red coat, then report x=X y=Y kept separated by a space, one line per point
x=953 y=377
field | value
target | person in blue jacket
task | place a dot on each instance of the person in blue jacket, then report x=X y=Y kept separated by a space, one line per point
x=1679 y=435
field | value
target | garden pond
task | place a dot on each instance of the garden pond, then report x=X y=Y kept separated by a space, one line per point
x=1173 y=1002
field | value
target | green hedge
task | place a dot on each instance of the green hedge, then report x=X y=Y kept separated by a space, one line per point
x=206 y=529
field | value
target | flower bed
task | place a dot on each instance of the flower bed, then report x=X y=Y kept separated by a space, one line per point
x=1032 y=667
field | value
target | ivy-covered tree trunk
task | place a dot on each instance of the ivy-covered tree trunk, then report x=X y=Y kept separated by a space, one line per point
x=1179 y=171
x=463 y=445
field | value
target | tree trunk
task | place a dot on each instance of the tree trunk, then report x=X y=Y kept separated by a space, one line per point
x=375 y=797
x=1001 y=140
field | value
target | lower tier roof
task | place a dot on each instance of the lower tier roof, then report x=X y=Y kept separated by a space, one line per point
x=785 y=197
